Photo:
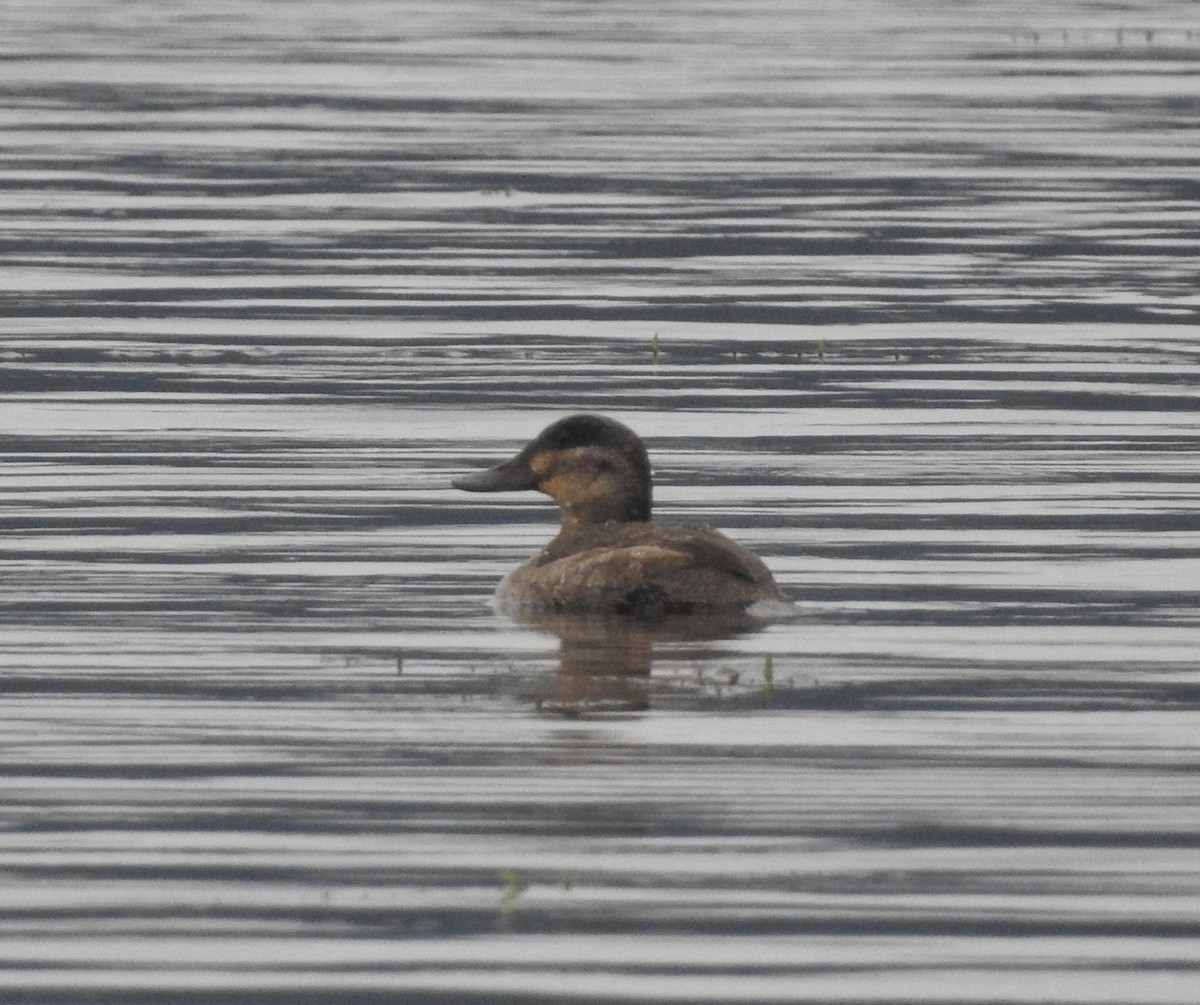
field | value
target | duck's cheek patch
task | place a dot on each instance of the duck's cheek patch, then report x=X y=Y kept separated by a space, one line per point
x=551 y=478
x=540 y=464
x=550 y=486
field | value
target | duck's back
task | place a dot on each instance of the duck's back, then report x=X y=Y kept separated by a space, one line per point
x=640 y=568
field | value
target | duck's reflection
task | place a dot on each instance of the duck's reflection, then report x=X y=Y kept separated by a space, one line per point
x=605 y=660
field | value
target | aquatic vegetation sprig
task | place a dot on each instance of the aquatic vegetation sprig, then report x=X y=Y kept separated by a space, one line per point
x=514 y=885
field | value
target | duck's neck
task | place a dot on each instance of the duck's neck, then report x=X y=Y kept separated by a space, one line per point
x=630 y=507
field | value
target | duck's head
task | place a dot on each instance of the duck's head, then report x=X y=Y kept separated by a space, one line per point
x=595 y=469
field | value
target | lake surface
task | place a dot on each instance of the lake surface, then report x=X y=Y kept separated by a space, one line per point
x=902 y=296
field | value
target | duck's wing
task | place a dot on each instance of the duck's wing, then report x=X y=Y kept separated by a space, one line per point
x=678 y=548
x=640 y=568
x=705 y=548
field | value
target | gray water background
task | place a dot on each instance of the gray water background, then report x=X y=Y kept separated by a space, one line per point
x=903 y=297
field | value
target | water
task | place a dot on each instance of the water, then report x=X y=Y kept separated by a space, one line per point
x=921 y=280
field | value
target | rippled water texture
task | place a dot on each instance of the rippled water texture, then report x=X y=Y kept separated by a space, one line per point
x=903 y=297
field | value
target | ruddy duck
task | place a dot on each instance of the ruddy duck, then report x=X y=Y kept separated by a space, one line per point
x=608 y=557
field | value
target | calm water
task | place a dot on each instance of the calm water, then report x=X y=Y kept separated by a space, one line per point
x=922 y=282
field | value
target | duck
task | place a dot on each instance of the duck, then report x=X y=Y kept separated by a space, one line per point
x=609 y=557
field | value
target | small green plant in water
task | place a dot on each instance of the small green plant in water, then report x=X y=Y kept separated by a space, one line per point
x=768 y=673
x=821 y=349
x=514 y=886
x=654 y=348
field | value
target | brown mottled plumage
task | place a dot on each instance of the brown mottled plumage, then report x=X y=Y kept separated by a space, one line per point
x=608 y=557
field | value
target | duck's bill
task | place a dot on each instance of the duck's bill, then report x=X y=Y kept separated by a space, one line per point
x=511 y=476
